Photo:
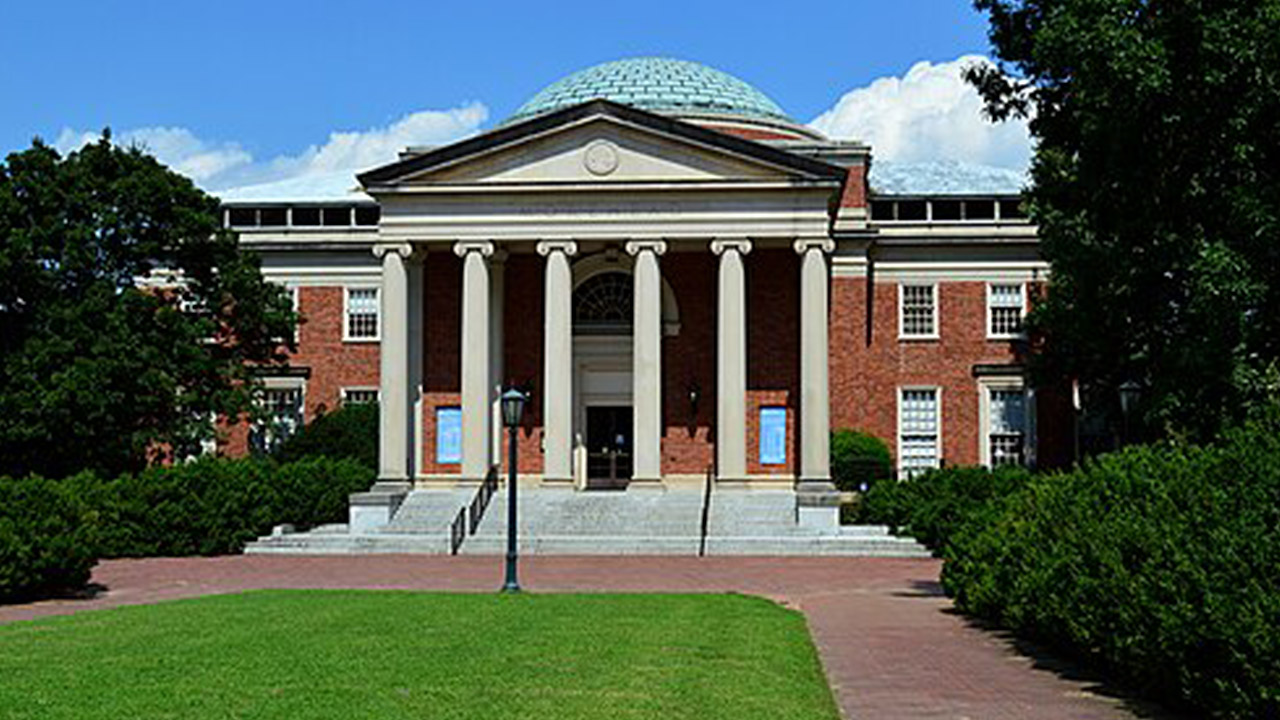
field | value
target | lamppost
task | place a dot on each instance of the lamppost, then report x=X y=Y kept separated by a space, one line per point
x=1130 y=391
x=512 y=410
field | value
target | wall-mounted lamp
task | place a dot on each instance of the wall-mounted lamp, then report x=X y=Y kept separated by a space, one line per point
x=695 y=394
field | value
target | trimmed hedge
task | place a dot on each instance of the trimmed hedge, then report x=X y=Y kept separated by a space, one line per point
x=859 y=460
x=933 y=506
x=46 y=539
x=214 y=506
x=351 y=431
x=53 y=531
x=1158 y=565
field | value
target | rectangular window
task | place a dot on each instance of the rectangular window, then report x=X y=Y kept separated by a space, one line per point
x=362 y=314
x=1007 y=426
x=912 y=210
x=282 y=417
x=448 y=435
x=773 y=436
x=919 y=423
x=918 y=311
x=306 y=216
x=359 y=396
x=273 y=217
x=1005 y=304
x=946 y=210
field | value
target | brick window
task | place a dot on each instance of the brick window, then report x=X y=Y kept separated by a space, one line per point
x=919 y=425
x=1007 y=426
x=359 y=396
x=918 y=311
x=362 y=314
x=1005 y=304
x=282 y=417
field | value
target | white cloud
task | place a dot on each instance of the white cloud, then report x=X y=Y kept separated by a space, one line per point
x=221 y=165
x=177 y=147
x=929 y=114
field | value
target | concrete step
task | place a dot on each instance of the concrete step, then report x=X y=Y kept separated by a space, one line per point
x=631 y=522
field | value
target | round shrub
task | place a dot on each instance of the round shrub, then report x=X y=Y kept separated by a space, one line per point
x=859 y=460
x=47 y=543
x=351 y=432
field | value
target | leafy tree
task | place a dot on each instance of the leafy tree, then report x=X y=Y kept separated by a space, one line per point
x=1156 y=187
x=128 y=317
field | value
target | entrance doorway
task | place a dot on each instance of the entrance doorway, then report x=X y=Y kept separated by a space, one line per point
x=608 y=447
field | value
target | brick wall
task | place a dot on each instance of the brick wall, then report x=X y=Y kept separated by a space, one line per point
x=334 y=364
x=866 y=372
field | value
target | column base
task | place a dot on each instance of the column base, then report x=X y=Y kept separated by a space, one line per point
x=825 y=520
x=372 y=510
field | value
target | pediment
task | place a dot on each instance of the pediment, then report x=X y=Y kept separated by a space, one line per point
x=599 y=143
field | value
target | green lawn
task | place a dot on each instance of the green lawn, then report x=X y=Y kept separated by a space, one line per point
x=364 y=654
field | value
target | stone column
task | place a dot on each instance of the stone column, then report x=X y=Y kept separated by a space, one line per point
x=497 y=303
x=393 y=402
x=475 y=358
x=817 y=495
x=731 y=361
x=416 y=355
x=557 y=362
x=371 y=510
x=646 y=370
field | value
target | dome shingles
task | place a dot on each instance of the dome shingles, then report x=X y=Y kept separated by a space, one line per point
x=657 y=84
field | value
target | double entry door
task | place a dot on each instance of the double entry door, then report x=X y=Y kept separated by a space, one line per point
x=608 y=444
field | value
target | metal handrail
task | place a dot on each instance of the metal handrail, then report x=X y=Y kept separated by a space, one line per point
x=480 y=502
x=474 y=511
x=706 y=512
x=457 y=531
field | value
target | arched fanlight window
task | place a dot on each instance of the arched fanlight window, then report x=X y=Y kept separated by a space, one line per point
x=602 y=304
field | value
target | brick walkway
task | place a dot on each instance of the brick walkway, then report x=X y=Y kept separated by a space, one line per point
x=889 y=642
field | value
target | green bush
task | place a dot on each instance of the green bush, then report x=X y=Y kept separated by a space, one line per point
x=933 y=506
x=859 y=460
x=214 y=506
x=1161 y=564
x=46 y=539
x=1157 y=565
x=351 y=431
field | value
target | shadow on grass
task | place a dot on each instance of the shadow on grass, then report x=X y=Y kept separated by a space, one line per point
x=1091 y=682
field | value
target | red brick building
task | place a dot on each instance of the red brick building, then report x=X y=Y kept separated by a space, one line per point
x=684 y=279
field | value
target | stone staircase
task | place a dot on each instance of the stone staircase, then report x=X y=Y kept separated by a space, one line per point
x=562 y=521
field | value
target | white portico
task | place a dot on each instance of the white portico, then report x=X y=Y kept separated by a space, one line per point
x=608 y=201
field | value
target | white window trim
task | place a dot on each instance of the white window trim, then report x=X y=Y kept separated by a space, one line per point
x=990 y=306
x=937 y=302
x=296 y=295
x=346 y=312
x=985 y=386
x=343 y=392
x=937 y=389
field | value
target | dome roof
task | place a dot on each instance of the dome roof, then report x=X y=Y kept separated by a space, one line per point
x=664 y=85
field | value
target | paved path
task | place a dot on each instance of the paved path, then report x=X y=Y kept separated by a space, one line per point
x=890 y=644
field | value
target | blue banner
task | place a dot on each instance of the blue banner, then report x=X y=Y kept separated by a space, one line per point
x=448 y=435
x=773 y=436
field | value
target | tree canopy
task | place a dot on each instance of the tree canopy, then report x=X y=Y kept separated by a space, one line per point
x=129 y=318
x=1156 y=188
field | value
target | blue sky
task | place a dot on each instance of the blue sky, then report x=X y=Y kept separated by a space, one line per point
x=254 y=91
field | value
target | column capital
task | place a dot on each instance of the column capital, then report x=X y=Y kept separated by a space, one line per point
x=804 y=245
x=404 y=250
x=635 y=247
x=742 y=245
x=568 y=247
x=462 y=247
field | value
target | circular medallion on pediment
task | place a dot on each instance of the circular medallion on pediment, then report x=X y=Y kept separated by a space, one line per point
x=600 y=157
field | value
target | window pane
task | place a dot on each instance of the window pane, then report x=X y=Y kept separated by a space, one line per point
x=306 y=216
x=881 y=210
x=273 y=217
x=979 y=210
x=283 y=418
x=946 y=209
x=1008 y=410
x=918 y=431
x=917 y=310
x=362 y=312
x=1006 y=309
x=243 y=217
x=911 y=210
